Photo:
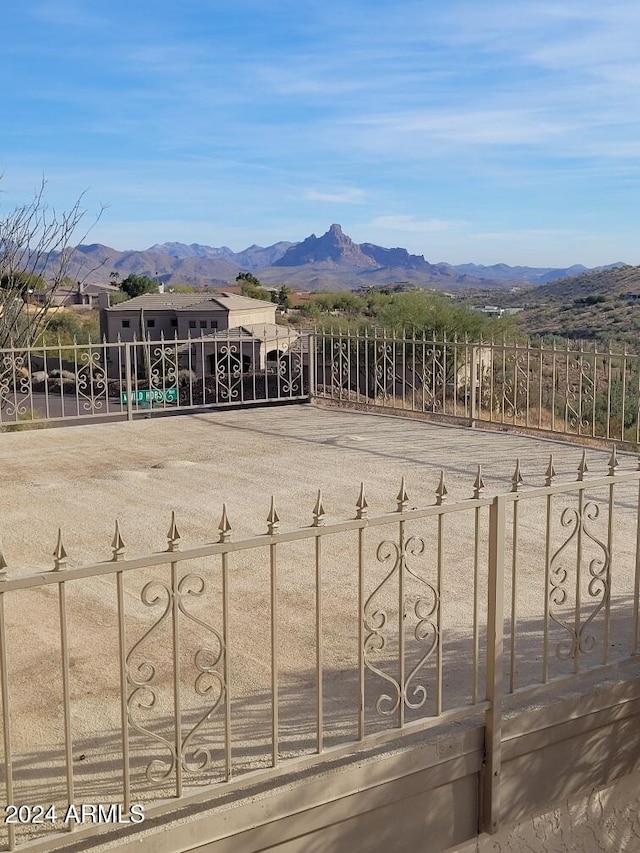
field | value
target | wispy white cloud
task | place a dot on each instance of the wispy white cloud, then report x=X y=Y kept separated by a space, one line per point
x=471 y=127
x=559 y=247
x=348 y=195
x=523 y=234
x=408 y=223
x=287 y=82
x=69 y=14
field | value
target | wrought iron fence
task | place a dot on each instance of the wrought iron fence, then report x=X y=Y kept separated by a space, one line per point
x=573 y=389
x=114 y=380
x=208 y=667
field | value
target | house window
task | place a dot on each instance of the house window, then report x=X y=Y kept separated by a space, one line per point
x=151 y=324
x=214 y=324
x=192 y=324
x=174 y=323
x=125 y=324
x=203 y=324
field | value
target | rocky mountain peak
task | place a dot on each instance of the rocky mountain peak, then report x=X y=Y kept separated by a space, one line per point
x=338 y=249
x=334 y=247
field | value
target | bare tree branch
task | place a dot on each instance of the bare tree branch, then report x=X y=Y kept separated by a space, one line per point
x=36 y=250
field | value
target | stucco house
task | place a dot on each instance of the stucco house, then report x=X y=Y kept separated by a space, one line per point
x=214 y=322
x=81 y=293
x=181 y=315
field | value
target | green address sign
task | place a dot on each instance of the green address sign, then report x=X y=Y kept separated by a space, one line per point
x=146 y=395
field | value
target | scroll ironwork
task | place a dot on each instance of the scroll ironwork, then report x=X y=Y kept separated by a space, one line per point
x=209 y=682
x=425 y=608
x=580 y=638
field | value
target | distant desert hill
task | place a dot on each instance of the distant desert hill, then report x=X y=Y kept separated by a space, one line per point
x=329 y=262
x=601 y=305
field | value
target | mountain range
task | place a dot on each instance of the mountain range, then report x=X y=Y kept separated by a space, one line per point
x=329 y=262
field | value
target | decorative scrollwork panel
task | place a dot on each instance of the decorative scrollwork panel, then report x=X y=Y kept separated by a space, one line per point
x=163 y=367
x=144 y=684
x=290 y=370
x=384 y=370
x=228 y=372
x=91 y=382
x=15 y=386
x=340 y=371
x=514 y=381
x=431 y=376
x=580 y=392
x=575 y=554
x=420 y=612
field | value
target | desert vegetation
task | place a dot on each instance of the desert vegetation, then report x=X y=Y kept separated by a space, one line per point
x=602 y=306
x=414 y=311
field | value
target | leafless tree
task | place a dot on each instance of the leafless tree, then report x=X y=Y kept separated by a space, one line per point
x=35 y=253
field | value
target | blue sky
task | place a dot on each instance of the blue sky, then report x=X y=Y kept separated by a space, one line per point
x=465 y=131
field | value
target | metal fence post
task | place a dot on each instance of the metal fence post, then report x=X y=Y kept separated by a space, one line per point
x=6 y=717
x=490 y=795
x=311 y=345
x=474 y=385
x=127 y=379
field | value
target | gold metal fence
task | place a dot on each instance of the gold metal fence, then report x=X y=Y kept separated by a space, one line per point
x=158 y=680
x=574 y=390
x=571 y=389
x=117 y=380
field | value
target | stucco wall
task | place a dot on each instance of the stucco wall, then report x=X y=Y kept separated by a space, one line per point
x=251 y=316
x=424 y=795
x=605 y=820
x=112 y=328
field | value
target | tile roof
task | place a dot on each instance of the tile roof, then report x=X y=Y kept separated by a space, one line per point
x=157 y=301
x=189 y=301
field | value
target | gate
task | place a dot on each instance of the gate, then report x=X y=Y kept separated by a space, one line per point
x=112 y=381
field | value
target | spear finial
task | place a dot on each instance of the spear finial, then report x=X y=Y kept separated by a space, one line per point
x=117 y=545
x=613 y=461
x=583 y=467
x=516 y=480
x=402 y=497
x=273 y=519
x=550 y=473
x=173 y=536
x=361 y=504
x=441 y=491
x=59 y=555
x=478 y=483
x=224 y=527
x=318 y=511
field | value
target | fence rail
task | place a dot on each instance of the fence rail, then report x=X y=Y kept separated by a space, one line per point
x=175 y=674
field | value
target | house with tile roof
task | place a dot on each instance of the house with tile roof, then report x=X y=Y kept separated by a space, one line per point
x=181 y=315
x=204 y=324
